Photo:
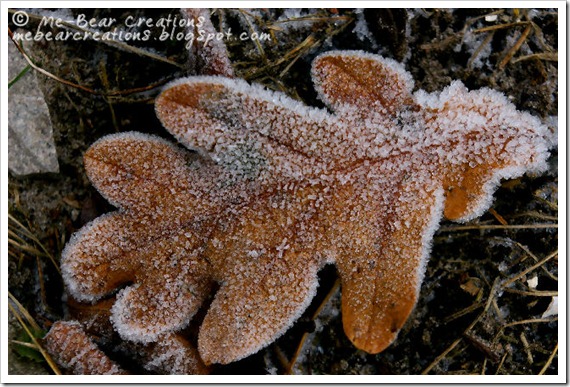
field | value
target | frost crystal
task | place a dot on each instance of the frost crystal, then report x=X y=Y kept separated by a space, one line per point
x=74 y=351
x=285 y=189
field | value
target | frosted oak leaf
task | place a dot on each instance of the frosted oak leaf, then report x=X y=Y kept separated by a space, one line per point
x=282 y=189
x=71 y=345
x=72 y=349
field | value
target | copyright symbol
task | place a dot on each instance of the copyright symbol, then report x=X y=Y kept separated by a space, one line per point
x=20 y=18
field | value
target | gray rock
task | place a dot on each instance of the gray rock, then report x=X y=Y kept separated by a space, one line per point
x=31 y=147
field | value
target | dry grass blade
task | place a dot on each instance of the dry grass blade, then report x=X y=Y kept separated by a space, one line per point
x=311 y=18
x=105 y=81
x=488 y=303
x=463 y=312
x=529 y=269
x=307 y=45
x=25 y=247
x=531 y=321
x=499 y=227
x=526 y=347
x=19 y=76
x=44 y=72
x=500 y=27
x=78 y=86
x=441 y=356
x=534 y=293
x=536 y=214
x=269 y=67
x=536 y=259
x=484 y=366
x=487 y=39
x=498 y=216
x=516 y=47
x=24 y=344
x=549 y=361
x=15 y=227
x=283 y=361
x=42 y=283
x=548 y=56
x=473 y=20
x=553 y=205
x=476 y=53
x=501 y=363
x=22 y=314
x=252 y=31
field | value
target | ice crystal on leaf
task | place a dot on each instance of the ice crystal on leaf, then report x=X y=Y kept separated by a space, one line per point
x=283 y=189
x=72 y=349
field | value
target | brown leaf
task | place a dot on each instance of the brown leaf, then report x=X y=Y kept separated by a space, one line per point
x=74 y=351
x=368 y=86
x=282 y=189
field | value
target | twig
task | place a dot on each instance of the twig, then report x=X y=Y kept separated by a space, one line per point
x=535 y=293
x=252 y=30
x=105 y=81
x=310 y=18
x=526 y=347
x=499 y=227
x=44 y=72
x=462 y=312
x=303 y=47
x=497 y=216
x=536 y=259
x=528 y=270
x=530 y=321
x=500 y=27
x=441 y=356
x=548 y=56
x=516 y=47
x=483 y=44
x=484 y=365
x=473 y=323
x=501 y=363
x=536 y=214
x=549 y=361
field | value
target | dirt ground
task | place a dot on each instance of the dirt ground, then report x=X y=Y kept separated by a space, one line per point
x=479 y=311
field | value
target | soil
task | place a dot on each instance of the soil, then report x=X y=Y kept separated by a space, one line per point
x=466 y=312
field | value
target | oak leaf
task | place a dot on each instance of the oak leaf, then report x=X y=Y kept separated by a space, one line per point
x=282 y=189
x=74 y=351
